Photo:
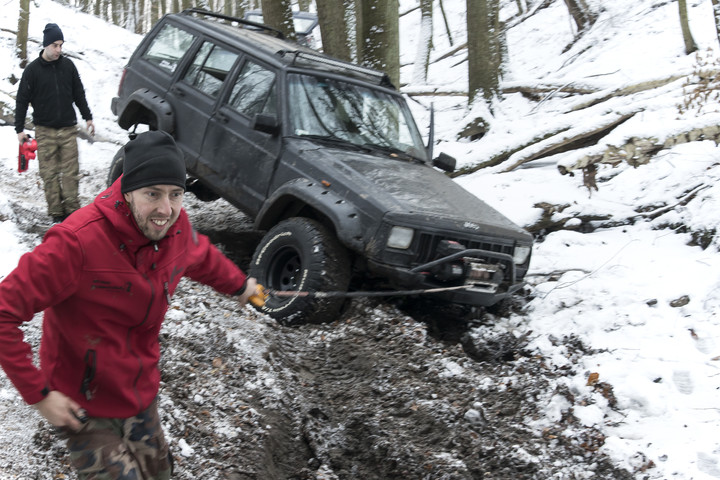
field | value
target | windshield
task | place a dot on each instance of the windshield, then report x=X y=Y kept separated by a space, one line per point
x=341 y=111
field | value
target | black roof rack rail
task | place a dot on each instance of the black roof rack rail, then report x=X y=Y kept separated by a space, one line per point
x=277 y=33
x=381 y=78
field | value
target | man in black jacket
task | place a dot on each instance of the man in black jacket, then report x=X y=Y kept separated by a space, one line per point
x=51 y=83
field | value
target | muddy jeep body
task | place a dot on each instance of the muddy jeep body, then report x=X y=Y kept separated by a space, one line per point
x=340 y=198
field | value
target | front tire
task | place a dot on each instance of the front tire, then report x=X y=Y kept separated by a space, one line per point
x=300 y=254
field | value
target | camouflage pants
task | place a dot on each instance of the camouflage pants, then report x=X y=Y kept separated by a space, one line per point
x=121 y=448
x=59 y=168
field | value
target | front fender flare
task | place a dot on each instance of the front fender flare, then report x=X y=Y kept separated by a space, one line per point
x=345 y=217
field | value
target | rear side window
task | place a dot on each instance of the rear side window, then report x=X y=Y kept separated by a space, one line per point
x=168 y=47
x=254 y=90
x=209 y=68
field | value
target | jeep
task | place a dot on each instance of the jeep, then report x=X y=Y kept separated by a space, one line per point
x=325 y=158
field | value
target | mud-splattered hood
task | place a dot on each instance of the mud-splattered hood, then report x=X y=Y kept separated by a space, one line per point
x=403 y=188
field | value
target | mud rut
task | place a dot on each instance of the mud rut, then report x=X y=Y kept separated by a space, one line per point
x=382 y=393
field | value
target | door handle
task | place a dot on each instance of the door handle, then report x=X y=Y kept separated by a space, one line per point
x=177 y=91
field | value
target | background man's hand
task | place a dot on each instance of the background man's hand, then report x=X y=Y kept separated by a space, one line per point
x=61 y=411
x=91 y=127
x=22 y=137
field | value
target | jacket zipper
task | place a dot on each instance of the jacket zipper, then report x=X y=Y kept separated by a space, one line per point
x=89 y=375
x=130 y=347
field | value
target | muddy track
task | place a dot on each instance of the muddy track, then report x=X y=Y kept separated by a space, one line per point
x=375 y=396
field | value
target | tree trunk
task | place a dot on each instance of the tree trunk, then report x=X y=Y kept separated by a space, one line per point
x=304 y=5
x=22 y=32
x=378 y=37
x=425 y=42
x=155 y=12
x=137 y=10
x=484 y=49
x=333 y=28
x=277 y=14
x=690 y=45
x=581 y=13
x=716 y=12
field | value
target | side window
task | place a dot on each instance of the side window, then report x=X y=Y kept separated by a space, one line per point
x=168 y=47
x=254 y=90
x=209 y=68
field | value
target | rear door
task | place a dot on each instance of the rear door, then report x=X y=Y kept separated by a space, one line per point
x=196 y=92
x=237 y=161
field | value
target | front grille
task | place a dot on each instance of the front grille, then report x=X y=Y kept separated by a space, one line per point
x=428 y=243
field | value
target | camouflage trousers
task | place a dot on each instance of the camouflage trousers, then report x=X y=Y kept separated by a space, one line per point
x=59 y=168
x=121 y=448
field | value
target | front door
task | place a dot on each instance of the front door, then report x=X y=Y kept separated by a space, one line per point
x=238 y=158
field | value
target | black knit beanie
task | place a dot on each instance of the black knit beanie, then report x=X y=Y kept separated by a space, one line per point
x=152 y=158
x=52 y=34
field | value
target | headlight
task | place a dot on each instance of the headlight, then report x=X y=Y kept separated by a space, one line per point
x=400 y=237
x=521 y=254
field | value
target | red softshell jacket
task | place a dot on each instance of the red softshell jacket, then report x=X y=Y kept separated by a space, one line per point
x=104 y=289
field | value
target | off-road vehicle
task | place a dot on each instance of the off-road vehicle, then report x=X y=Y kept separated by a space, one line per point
x=325 y=157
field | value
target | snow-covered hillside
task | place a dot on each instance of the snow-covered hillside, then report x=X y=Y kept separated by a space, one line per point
x=622 y=312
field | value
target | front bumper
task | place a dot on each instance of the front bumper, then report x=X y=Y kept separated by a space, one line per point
x=486 y=283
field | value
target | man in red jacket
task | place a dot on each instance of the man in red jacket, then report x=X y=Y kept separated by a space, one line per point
x=104 y=279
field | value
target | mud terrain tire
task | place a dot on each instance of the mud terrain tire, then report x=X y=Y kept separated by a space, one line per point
x=116 y=167
x=301 y=254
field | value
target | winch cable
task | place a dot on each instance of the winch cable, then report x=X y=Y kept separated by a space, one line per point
x=262 y=294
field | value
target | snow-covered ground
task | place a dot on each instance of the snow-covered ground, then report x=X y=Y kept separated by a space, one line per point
x=642 y=300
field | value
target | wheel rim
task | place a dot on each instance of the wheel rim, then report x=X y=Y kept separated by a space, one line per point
x=285 y=270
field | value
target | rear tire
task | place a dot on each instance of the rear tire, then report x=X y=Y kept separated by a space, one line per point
x=300 y=254
x=116 y=166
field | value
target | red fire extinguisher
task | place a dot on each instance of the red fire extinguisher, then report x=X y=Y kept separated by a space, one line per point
x=26 y=152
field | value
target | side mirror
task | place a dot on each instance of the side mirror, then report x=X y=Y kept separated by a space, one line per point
x=266 y=123
x=444 y=162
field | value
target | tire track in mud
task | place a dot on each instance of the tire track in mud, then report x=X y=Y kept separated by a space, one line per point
x=374 y=399
x=375 y=396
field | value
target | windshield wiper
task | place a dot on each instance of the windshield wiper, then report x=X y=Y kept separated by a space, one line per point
x=392 y=151
x=332 y=139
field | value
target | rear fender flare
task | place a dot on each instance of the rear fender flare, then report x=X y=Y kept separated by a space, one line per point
x=146 y=99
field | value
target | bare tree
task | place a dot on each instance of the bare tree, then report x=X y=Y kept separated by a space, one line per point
x=155 y=12
x=484 y=49
x=425 y=42
x=378 y=37
x=581 y=13
x=445 y=20
x=22 y=32
x=277 y=14
x=690 y=45
x=716 y=12
x=333 y=28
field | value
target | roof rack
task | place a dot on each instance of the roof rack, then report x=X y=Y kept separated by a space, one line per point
x=381 y=78
x=261 y=26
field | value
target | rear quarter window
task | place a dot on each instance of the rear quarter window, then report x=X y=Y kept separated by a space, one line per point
x=168 y=47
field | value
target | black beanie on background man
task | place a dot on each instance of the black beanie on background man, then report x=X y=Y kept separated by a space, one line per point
x=52 y=34
x=152 y=158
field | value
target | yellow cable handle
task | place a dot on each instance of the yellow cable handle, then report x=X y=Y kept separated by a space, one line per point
x=259 y=297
